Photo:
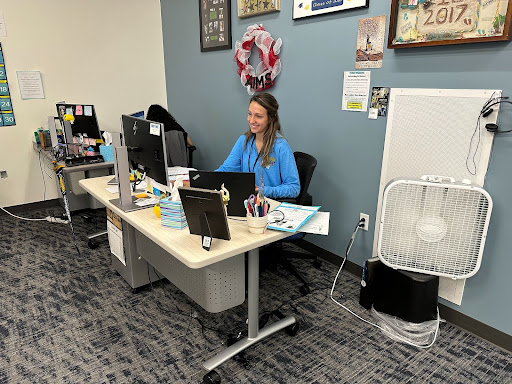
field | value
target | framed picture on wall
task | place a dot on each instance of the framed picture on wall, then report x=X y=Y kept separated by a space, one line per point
x=416 y=23
x=306 y=8
x=215 y=24
x=248 y=8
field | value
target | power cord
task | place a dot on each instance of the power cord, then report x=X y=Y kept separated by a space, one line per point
x=21 y=218
x=490 y=127
x=360 y=224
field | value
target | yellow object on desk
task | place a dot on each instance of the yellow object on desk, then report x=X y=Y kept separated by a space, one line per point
x=156 y=209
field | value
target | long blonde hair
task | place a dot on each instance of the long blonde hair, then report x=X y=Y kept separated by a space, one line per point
x=269 y=102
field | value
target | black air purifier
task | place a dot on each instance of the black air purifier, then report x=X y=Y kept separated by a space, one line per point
x=408 y=295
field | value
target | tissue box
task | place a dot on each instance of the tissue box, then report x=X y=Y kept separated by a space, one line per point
x=172 y=214
x=107 y=152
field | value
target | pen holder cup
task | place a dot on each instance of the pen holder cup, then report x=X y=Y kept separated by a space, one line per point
x=257 y=224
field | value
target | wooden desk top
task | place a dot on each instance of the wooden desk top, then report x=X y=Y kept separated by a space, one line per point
x=180 y=243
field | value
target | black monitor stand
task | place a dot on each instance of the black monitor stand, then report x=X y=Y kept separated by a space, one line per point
x=206 y=233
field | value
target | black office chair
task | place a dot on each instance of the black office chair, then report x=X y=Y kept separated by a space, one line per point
x=306 y=165
x=161 y=115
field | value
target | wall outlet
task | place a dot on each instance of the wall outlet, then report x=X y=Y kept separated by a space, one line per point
x=3 y=174
x=366 y=221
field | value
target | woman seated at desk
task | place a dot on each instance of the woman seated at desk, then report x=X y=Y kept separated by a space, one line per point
x=264 y=151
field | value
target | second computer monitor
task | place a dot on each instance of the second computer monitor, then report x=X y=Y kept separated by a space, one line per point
x=239 y=184
x=84 y=120
x=147 y=153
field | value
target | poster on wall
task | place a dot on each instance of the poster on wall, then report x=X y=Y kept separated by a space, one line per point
x=248 y=8
x=215 y=24
x=30 y=84
x=306 y=8
x=356 y=88
x=370 y=42
x=379 y=102
x=6 y=112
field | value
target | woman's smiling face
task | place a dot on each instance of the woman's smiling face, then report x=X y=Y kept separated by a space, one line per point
x=257 y=118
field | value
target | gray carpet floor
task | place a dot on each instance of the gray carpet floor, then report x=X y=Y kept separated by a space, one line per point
x=69 y=318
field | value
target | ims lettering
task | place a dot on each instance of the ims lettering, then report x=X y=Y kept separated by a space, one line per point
x=259 y=82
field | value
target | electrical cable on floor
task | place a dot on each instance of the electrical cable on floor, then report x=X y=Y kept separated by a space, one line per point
x=393 y=335
x=22 y=218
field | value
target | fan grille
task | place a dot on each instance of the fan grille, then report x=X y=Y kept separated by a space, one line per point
x=434 y=229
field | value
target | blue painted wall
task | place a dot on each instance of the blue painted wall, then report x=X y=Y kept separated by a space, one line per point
x=206 y=97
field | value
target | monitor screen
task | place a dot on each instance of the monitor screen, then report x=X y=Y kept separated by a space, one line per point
x=145 y=141
x=239 y=184
x=139 y=115
x=84 y=123
x=197 y=202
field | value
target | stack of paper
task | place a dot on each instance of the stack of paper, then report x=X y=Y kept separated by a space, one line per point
x=172 y=214
x=172 y=172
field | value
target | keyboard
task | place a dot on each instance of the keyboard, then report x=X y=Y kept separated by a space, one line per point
x=84 y=160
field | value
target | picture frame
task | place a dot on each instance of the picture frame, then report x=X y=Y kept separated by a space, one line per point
x=248 y=8
x=416 y=23
x=307 y=8
x=215 y=25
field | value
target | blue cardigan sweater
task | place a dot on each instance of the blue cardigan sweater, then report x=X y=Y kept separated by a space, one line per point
x=281 y=178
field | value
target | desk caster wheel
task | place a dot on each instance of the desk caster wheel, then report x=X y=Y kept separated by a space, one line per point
x=92 y=244
x=317 y=264
x=304 y=290
x=211 y=377
x=292 y=330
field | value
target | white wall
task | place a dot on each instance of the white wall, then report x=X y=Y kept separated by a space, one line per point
x=108 y=53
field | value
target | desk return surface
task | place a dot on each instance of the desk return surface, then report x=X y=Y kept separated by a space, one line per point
x=180 y=243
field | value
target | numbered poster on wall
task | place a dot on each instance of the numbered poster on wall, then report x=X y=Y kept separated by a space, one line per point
x=6 y=112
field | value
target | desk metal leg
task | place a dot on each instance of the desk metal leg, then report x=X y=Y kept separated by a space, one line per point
x=254 y=334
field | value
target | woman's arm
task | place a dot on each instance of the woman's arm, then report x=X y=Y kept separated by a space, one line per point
x=287 y=168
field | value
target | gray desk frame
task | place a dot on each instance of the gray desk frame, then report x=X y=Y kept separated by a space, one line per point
x=77 y=197
x=187 y=249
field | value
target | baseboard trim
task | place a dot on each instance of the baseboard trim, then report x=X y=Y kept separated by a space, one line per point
x=31 y=206
x=452 y=316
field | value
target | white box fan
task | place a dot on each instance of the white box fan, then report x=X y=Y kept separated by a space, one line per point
x=432 y=226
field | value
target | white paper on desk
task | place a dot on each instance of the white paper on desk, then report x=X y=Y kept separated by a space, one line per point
x=115 y=240
x=318 y=224
x=146 y=201
x=114 y=189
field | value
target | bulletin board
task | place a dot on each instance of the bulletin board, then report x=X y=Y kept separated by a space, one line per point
x=434 y=132
x=439 y=22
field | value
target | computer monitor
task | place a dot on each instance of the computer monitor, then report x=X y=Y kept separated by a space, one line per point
x=200 y=204
x=85 y=122
x=239 y=184
x=145 y=141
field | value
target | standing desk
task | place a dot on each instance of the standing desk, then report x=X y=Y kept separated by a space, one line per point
x=187 y=249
